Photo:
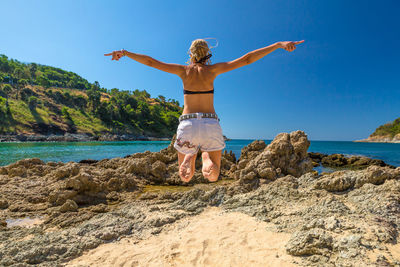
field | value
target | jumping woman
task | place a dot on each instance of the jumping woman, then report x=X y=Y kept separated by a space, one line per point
x=199 y=124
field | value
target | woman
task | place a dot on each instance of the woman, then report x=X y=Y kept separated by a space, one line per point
x=199 y=125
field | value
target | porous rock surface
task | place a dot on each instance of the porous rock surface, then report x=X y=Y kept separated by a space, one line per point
x=337 y=219
x=342 y=161
x=286 y=154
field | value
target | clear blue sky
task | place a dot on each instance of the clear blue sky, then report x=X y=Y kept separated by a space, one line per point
x=340 y=84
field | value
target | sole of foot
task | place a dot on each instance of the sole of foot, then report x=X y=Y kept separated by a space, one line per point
x=185 y=170
x=208 y=166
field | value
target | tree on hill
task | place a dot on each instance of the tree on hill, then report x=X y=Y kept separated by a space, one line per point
x=32 y=102
x=93 y=99
x=390 y=129
x=119 y=110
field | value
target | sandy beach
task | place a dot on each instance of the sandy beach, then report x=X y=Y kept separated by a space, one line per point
x=212 y=238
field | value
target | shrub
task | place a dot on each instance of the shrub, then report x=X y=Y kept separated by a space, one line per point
x=32 y=102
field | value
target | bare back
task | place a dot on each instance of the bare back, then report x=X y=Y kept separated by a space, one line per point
x=198 y=77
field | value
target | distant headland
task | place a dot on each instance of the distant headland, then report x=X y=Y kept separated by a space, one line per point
x=45 y=103
x=387 y=133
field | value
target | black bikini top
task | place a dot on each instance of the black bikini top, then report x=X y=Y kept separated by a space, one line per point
x=186 y=92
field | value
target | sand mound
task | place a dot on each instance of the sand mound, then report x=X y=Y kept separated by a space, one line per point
x=212 y=238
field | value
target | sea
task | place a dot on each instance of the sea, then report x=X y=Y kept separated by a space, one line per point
x=76 y=151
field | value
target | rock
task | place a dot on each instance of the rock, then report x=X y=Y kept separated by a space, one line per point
x=61 y=196
x=3 y=204
x=3 y=171
x=138 y=166
x=88 y=161
x=334 y=160
x=311 y=242
x=316 y=156
x=341 y=161
x=69 y=205
x=348 y=246
x=65 y=171
x=344 y=180
x=113 y=196
x=158 y=170
x=101 y=208
x=286 y=154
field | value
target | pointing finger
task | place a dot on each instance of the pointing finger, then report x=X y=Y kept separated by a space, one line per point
x=109 y=54
x=299 y=42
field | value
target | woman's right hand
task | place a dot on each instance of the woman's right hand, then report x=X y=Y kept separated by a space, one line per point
x=289 y=45
x=116 y=55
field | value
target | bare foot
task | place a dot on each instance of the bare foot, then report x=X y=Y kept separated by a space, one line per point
x=185 y=170
x=208 y=166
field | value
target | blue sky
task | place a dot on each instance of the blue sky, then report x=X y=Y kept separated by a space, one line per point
x=340 y=84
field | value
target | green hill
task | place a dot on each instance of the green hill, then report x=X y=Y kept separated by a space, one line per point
x=389 y=129
x=41 y=99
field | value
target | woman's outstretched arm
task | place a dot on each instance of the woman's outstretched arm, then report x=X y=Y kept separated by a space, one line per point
x=253 y=56
x=149 y=61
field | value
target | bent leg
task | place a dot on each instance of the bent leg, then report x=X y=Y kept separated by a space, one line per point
x=211 y=164
x=186 y=166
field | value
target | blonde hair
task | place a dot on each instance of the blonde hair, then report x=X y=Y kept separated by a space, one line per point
x=198 y=49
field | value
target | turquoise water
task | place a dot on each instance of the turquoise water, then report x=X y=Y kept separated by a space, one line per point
x=76 y=151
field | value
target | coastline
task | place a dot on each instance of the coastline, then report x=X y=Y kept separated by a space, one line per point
x=378 y=140
x=81 y=137
x=70 y=137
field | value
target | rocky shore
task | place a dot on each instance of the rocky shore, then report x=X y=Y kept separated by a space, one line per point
x=53 y=213
x=381 y=139
x=82 y=137
x=340 y=161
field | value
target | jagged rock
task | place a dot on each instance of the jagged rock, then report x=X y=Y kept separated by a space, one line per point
x=286 y=154
x=88 y=161
x=158 y=170
x=101 y=208
x=229 y=156
x=3 y=171
x=69 y=205
x=316 y=156
x=341 y=161
x=3 y=204
x=348 y=246
x=27 y=163
x=60 y=197
x=83 y=182
x=62 y=172
x=138 y=166
x=21 y=168
x=252 y=150
x=310 y=242
x=344 y=180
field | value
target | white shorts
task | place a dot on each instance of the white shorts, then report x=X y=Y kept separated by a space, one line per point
x=199 y=133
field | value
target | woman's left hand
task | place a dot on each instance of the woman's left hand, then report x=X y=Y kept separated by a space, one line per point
x=116 y=55
x=289 y=45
